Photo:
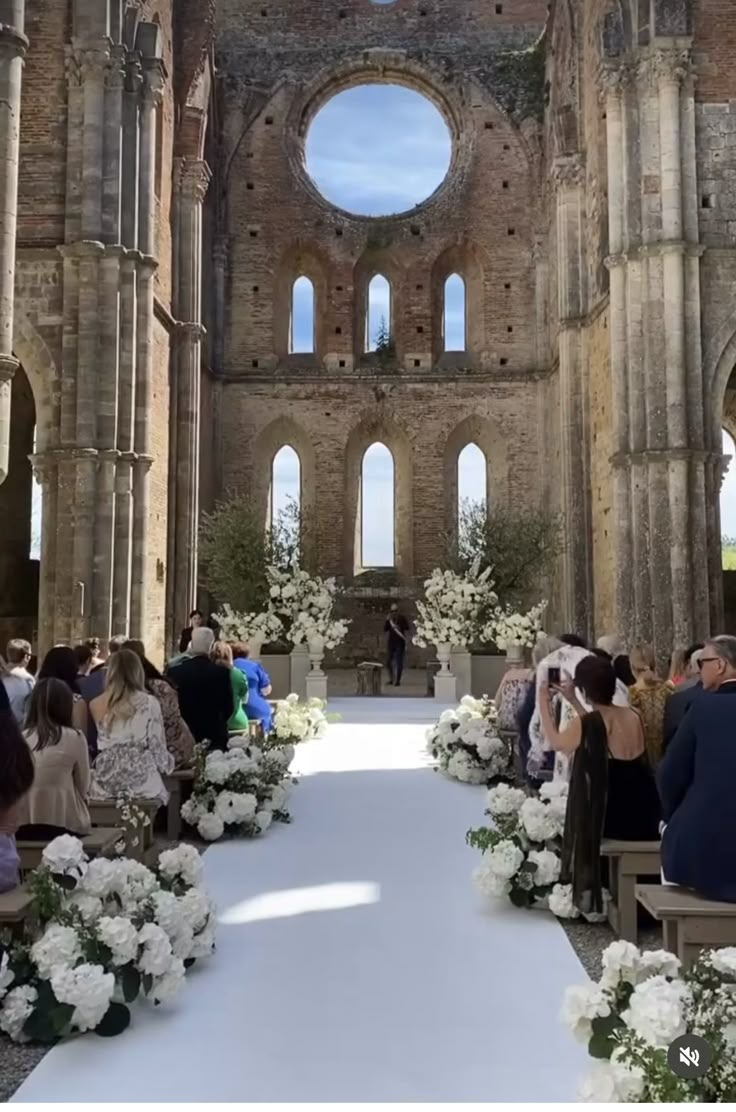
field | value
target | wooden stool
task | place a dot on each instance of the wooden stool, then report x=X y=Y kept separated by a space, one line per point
x=370 y=676
x=174 y=782
x=689 y=923
x=99 y=843
x=628 y=862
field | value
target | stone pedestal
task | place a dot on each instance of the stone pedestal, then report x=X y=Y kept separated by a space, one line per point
x=445 y=688
x=461 y=666
x=299 y=670
x=316 y=679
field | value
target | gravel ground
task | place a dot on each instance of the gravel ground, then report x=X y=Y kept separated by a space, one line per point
x=16 y=1062
x=589 y=940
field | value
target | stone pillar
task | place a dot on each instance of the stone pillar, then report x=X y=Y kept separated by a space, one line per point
x=124 y=475
x=219 y=271
x=13 y=44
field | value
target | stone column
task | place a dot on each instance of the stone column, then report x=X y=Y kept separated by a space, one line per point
x=219 y=270
x=126 y=457
x=13 y=44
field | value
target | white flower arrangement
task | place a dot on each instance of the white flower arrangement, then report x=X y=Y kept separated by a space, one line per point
x=296 y=721
x=304 y=604
x=507 y=627
x=105 y=933
x=643 y=1002
x=522 y=848
x=453 y=609
x=238 y=791
x=465 y=742
x=264 y=627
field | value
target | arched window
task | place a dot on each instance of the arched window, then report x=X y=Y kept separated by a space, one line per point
x=472 y=484
x=36 y=512
x=286 y=493
x=378 y=330
x=377 y=508
x=728 y=506
x=453 y=318
x=301 y=333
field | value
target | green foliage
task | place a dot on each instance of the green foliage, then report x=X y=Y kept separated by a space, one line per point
x=520 y=545
x=728 y=548
x=385 y=345
x=114 y=1021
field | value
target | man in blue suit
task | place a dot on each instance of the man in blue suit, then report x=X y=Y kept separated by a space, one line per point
x=697 y=780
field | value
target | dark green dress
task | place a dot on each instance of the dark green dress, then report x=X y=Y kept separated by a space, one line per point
x=238 y=723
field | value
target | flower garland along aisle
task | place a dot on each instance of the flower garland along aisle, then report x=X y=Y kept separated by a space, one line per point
x=466 y=745
x=242 y=790
x=454 y=608
x=304 y=606
x=521 y=850
x=106 y=933
x=640 y=1005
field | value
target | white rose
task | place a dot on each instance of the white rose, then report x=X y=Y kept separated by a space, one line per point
x=656 y=1010
x=65 y=855
x=548 y=867
x=211 y=827
x=89 y=988
x=580 y=1006
x=120 y=936
x=58 y=947
x=156 y=956
x=612 y=1083
x=15 y=1010
x=183 y=861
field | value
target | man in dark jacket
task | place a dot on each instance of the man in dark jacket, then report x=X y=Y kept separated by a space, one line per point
x=696 y=783
x=679 y=704
x=205 y=691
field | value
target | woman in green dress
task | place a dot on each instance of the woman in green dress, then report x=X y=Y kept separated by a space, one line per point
x=222 y=654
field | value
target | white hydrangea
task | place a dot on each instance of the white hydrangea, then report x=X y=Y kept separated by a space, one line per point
x=488 y=881
x=548 y=866
x=6 y=974
x=560 y=902
x=656 y=1010
x=461 y=766
x=58 y=948
x=65 y=855
x=89 y=989
x=89 y=907
x=169 y=983
x=192 y=811
x=263 y=821
x=235 y=807
x=612 y=1083
x=505 y=859
x=582 y=1004
x=621 y=961
x=120 y=936
x=167 y=911
x=100 y=878
x=724 y=960
x=211 y=827
x=183 y=861
x=653 y=962
x=16 y=1008
x=539 y=821
x=505 y=800
x=157 y=952
x=204 y=942
x=195 y=907
x=279 y=797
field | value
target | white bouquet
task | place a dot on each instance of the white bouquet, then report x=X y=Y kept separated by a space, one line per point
x=264 y=627
x=506 y=627
x=296 y=721
x=465 y=742
x=453 y=607
x=304 y=604
x=643 y=1002
x=106 y=932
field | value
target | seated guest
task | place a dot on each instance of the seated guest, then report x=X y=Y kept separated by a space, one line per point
x=17 y=680
x=542 y=649
x=98 y=660
x=510 y=696
x=257 y=708
x=680 y=702
x=16 y=779
x=678 y=667
x=696 y=783
x=222 y=654
x=132 y=756
x=60 y=663
x=93 y=685
x=204 y=690
x=196 y=619
x=573 y=639
x=612 y=790
x=83 y=654
x=179 y=740
x=648 y=697
x=57 y=802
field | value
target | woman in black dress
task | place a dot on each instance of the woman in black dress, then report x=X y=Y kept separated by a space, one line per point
x=613 y=793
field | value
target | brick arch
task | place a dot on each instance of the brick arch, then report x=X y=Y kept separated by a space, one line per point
x=384 y=428
x=278 y=434
x=308 y=260
x=38 y=363
x=466 y=259
x=373 y=261
x=487 y=435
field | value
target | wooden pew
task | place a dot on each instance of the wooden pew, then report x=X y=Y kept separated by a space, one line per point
x=173 y=808
x=15 y=906
x=105 y=813
x=99 y=843
x=628 y=862
x=689 y=924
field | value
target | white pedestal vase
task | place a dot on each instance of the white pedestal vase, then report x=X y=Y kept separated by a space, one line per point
x=514 y=656
x=461 y=667
x=299 y=663
x=445 y=684
x=316 y=678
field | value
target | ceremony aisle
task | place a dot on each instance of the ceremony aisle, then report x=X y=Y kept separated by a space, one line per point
x=355 y=961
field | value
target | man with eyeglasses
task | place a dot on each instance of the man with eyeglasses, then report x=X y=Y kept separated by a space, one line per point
x=679 y=704
x=696 y=783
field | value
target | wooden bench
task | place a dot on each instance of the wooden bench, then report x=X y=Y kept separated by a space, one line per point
x=100 y=842
x=370 y=676
x=689 y=924
x=15 y=906
x=174 y=784
x=138 y=842
x=628 y=862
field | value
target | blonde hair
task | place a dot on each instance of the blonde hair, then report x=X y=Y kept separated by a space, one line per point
x=643 y=664
x=221 y=653
x=677 y=664
x=125 y=678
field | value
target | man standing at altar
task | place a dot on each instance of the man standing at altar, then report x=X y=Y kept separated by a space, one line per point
x=397 y=628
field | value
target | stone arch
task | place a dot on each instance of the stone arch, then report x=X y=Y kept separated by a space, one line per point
x=718 y=382
x=31 y=351
x=309 y=261
x=486 y=434
x=384 y=428
x=282 y=432
x=375 y=261
x=465 y=259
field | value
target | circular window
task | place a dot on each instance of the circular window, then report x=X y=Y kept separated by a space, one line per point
x=378 y=150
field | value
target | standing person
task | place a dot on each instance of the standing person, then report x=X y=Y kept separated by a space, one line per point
x=17 y=680
x=196 y=621
x=397 y=628
x=179 y=740
x=257 y=707
x=16 y=778
x=205 y=691
x=648 y=697
x=57 y=802
x=60 y=663
x=612 y=790
x=696 y=779
x=222 y=654
x=132 y=757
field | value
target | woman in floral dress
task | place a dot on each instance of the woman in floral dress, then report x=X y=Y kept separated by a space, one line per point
x=132 y=756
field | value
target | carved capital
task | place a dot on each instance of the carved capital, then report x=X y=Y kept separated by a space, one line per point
x=613 y=77
x=154 y=82
x=94 y=63
x=117 y=68
x=8 y=366
x=722 y=465
x=568 y=172
x=672 y=66
x=12 y=40
x=43 y=465
x=193 y=178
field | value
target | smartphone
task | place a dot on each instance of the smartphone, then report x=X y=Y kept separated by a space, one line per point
x=553 y=676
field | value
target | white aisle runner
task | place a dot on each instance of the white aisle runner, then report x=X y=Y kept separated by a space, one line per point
x=355 y=960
